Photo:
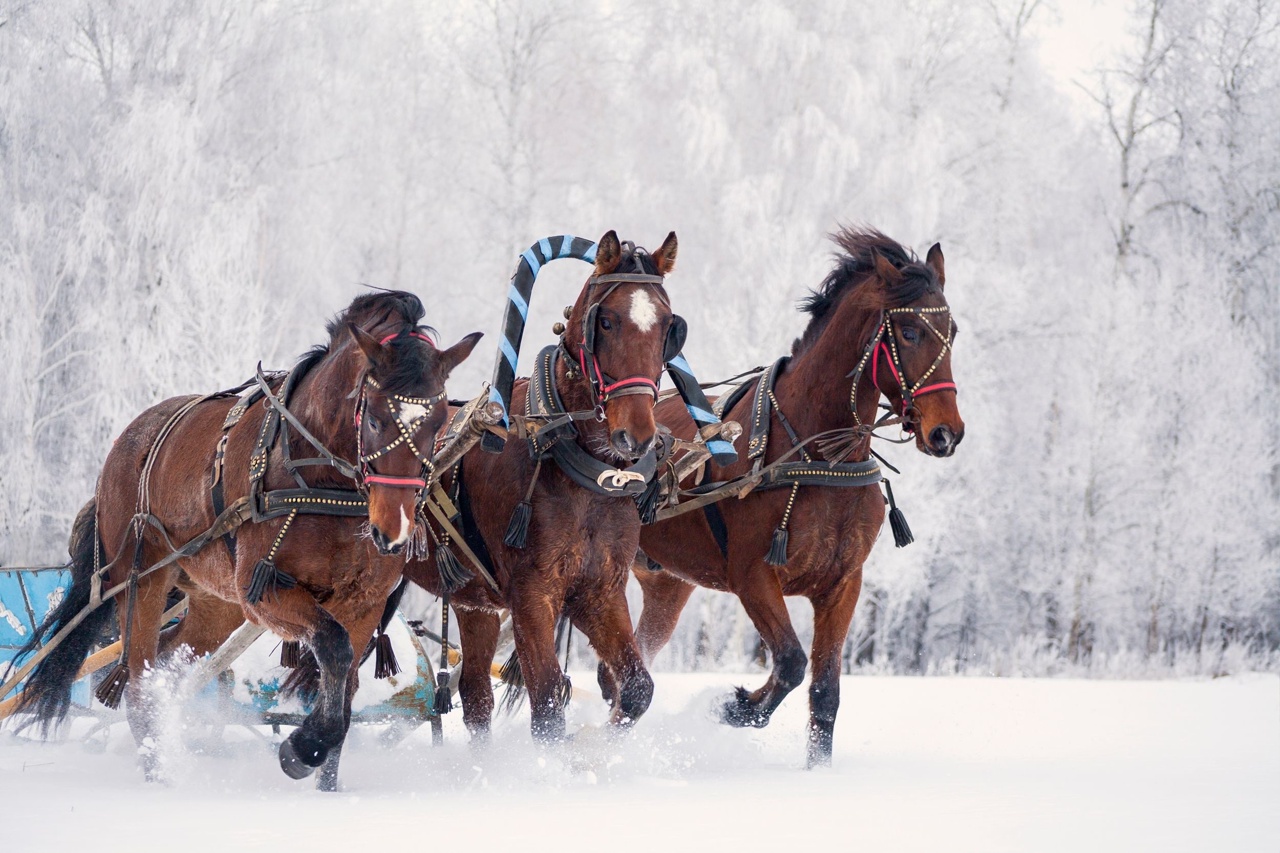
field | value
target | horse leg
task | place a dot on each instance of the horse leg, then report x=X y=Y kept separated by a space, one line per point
x=327 y=780
x=207 y=624
x=607 y=625
x=325 y=727
x=831 y=617
x=533 y=620
x=665 y=597
x=478 y=632
x=144 y=640
x=761 y=595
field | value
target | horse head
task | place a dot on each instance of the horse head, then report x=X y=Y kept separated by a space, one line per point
x=910 y=358
x=620 y=333
x=400 y=407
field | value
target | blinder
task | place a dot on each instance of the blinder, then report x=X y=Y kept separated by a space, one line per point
x=675 y=339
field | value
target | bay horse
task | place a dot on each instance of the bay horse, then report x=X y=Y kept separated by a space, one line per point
x=320 y=539
x=580 y=540
x=879 y=325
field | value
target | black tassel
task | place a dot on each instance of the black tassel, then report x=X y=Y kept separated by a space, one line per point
x=385 y=664
x=111 y=691
x=453 y=575
x=898 y=522
x=518 y=527
x=566 y=691
x=444 y=700
x=647 y=502
x=267 y=578
x=290 y=654
x=777 y=555
x=511 y=675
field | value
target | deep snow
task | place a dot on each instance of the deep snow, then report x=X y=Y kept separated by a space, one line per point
x=921 y=763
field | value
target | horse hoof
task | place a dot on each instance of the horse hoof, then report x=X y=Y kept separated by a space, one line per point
x=741 y=713
x=292 y=764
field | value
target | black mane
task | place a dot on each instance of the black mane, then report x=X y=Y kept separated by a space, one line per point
x=854 y=261
x=636 y=259
x=391 y=311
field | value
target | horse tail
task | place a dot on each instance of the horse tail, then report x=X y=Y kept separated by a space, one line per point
x=47 y=694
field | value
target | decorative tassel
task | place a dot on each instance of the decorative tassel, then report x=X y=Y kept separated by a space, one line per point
x=111 y=691
x=267 y=578
x=898 y=522
x=647 y=502
x=385 y=664
x=777 y=555
x=518 y=527
x=453 y=575
x=565 y=693
x=290 y=654
x=444 y=700
x=511 y=675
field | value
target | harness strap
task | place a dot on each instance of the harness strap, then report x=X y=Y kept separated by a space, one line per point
x=715 y=520
x=458 y=539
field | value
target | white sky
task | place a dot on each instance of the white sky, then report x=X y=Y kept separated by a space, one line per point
x=1078 y=34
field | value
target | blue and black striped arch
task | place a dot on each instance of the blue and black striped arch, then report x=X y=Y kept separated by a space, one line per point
x=516 y=313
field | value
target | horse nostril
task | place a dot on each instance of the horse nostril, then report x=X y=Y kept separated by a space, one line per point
x=379 y=538
x=623 y=442
x=942 y=440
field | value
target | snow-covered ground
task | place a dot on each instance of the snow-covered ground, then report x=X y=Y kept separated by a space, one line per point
x=939 y=764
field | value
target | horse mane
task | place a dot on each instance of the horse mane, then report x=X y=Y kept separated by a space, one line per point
x=382 y=308
x=855 y=263
x=636 y=260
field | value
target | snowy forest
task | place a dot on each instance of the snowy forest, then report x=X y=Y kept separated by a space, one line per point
x=189 y=187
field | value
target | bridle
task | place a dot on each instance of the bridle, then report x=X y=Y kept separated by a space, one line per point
x=884 y=340
x=395 y=402
x=603 y=386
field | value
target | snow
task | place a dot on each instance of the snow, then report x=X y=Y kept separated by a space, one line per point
x=921 y=763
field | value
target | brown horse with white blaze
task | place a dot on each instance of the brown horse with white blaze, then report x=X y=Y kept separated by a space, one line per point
x=321 y=539
x=879 y=325
x=575 y=556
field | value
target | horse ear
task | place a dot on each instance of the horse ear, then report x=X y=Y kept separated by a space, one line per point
x=934 y=260
x=608 y=254
x=665 y=257
x=456 y=354
x=368 y=343
x=888 y=273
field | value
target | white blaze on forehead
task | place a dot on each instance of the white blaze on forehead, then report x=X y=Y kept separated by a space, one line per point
x=644 y=313
x=410 y=412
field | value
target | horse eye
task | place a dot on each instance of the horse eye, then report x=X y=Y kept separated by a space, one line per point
x=374 y=423
x=605 y=324
x=911 y=335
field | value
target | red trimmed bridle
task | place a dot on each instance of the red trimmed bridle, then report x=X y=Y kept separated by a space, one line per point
x=604 y=387
x=885 y=341
x=407 y=430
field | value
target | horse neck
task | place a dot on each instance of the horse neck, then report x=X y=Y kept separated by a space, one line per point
x=813 y=390
x=321 y=403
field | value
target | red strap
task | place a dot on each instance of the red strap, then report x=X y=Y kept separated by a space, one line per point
x=940 y=386
x=389 y=338
x=396 y=482
x=629 y=381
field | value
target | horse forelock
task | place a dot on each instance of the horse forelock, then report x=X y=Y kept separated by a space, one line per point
x=371 y=311
x=855 y=265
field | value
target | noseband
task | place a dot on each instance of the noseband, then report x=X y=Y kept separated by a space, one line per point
x=884 y=340
x=407 y=430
